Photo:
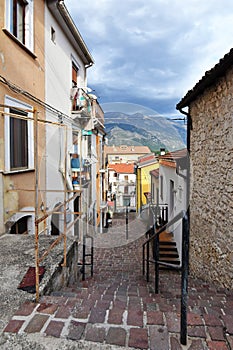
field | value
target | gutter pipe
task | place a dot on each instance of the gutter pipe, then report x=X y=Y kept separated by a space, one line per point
x=186 y=239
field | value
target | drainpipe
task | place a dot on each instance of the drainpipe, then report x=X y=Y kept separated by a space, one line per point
x=189 y=128
x=186 y=243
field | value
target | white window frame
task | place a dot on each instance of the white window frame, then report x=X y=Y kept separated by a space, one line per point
x=29 y=23
x=10 y=101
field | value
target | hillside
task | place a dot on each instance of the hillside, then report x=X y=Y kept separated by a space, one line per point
x=137 y=129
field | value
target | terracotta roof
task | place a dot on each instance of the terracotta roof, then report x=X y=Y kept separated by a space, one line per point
x=207 y=80
x=168 y=163
x=146 y=158
x=176 y=158
x=122 y=168
x=155 y=173
x=124 y=149
x=175 y=155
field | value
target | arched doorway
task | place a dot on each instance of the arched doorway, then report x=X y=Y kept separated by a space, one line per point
x=20 y=226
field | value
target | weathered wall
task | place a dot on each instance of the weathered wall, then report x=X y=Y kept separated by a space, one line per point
x=211 y=202
x=63 y=276
x=28 y=74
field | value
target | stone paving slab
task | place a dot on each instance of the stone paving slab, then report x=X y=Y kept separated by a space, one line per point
x=117 y=309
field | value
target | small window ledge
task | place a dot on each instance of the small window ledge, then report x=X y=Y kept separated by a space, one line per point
x=17 y=171
x=17 y=41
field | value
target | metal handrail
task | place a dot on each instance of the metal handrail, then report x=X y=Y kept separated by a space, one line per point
x=165 y=226
x=184 y=216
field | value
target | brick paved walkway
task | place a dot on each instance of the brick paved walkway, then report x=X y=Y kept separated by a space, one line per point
x=118 y=307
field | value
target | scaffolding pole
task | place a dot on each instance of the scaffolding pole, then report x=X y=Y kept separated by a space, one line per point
x=36 y=203
x=67 y=198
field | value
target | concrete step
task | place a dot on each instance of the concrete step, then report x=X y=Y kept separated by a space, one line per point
x=169 y=254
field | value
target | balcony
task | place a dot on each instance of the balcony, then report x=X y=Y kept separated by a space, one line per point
x=97 y=112
x=81 y=104
x=86 y=109
x=80 y=179
x=81 y=176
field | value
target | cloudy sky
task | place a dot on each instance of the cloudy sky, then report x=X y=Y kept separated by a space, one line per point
x=152 y=52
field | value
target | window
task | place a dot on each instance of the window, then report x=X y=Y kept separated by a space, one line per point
x=74 y=75
x=19 y=144
x=18 y=140
x=161 y=187
x=19 y=20
x=172 y=195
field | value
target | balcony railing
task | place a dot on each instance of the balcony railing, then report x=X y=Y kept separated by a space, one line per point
x=81 y=176
x=98 y=112
x=85 y=106
x=80 y=179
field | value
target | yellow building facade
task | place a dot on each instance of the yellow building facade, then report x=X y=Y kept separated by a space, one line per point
x=143 y=189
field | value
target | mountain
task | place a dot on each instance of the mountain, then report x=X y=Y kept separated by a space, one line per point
x=137 y=129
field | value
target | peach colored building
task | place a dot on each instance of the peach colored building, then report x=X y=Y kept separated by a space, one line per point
x=22 y=76
x=124 y=153
x=47 y=116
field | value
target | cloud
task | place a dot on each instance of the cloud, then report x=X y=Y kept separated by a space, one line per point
x=152 y=51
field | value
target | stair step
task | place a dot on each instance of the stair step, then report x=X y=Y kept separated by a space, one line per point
x=174 y=261
x=169 y=255
x=165 y=243
x=168 y=249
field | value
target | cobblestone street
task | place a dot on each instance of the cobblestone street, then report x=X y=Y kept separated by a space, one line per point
x=117 y=308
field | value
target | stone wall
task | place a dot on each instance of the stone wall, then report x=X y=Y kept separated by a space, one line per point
x=211 y=201
x=62 y=276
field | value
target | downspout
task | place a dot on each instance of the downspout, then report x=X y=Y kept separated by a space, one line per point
x=189 y=128
x=186 y=242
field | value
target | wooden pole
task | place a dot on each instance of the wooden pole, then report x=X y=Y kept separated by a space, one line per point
x=65 y=195
x=36 y=162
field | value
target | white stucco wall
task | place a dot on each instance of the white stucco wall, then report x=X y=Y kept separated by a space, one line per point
x=179 y=193
x=59 y=55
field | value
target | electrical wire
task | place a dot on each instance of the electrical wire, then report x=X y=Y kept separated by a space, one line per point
x=31 y=97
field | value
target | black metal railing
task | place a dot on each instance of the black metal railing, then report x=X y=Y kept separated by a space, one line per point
x=86 y=254
x=160 y=213
x=154 y=238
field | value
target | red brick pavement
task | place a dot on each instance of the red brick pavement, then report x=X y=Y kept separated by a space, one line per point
x=118 y=307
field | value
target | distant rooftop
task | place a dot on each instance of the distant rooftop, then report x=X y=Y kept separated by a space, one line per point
x=175 y=155
x=124 y=149
x=147 y=159
x=122 y=168
x=176 y=158
x=155 y=173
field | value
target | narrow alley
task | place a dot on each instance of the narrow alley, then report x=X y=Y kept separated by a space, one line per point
x=117 y=308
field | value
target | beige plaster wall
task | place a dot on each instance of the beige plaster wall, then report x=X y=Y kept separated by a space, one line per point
x=26 y=70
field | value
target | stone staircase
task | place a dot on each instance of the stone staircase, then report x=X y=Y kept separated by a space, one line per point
x=168 y=250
